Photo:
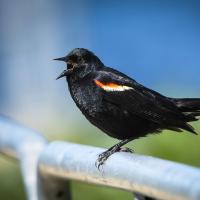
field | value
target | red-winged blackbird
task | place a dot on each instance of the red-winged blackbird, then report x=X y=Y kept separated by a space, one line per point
x=118 y=105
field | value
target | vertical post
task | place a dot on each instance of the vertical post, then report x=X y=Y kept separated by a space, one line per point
x=53 y=188
x=26 y=145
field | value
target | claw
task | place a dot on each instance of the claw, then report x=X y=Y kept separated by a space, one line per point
x=102 y=159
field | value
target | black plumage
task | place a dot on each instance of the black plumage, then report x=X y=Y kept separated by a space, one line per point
x=118 y=105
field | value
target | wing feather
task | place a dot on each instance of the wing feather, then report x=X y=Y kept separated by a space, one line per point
x=140 y=100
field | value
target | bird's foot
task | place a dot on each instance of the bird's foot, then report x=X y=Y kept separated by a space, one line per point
x=106 y=154
x=102 y=158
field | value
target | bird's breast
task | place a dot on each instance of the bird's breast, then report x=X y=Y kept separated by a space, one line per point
x=86 y=96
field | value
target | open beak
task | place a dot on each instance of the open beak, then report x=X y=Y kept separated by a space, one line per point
x=65 y=73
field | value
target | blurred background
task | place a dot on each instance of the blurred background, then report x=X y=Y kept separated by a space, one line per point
x=155 y=42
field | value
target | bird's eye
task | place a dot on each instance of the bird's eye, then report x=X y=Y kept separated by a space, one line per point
x=73 y=59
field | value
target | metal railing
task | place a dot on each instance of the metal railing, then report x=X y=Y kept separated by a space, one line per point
x=48 y=167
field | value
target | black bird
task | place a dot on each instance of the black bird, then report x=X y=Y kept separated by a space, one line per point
x=119 y=106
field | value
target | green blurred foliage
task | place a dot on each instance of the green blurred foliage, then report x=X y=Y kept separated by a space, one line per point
x=179 y=147
x=11 y=183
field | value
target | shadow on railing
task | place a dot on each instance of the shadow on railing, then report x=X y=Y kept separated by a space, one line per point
x=47 y=168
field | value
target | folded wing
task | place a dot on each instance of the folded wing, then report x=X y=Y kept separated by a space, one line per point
x=125 y=92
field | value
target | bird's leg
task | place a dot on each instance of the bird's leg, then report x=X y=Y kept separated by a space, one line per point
x=116 y=148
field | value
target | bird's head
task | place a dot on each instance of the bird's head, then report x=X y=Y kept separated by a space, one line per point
x=80 y=62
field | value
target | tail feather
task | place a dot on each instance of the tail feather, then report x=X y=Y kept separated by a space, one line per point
x=190 y=107
x=188 y=104
x=189 y=128
x=193 y=115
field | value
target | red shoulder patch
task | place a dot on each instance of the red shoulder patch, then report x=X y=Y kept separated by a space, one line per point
x=111 y=86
